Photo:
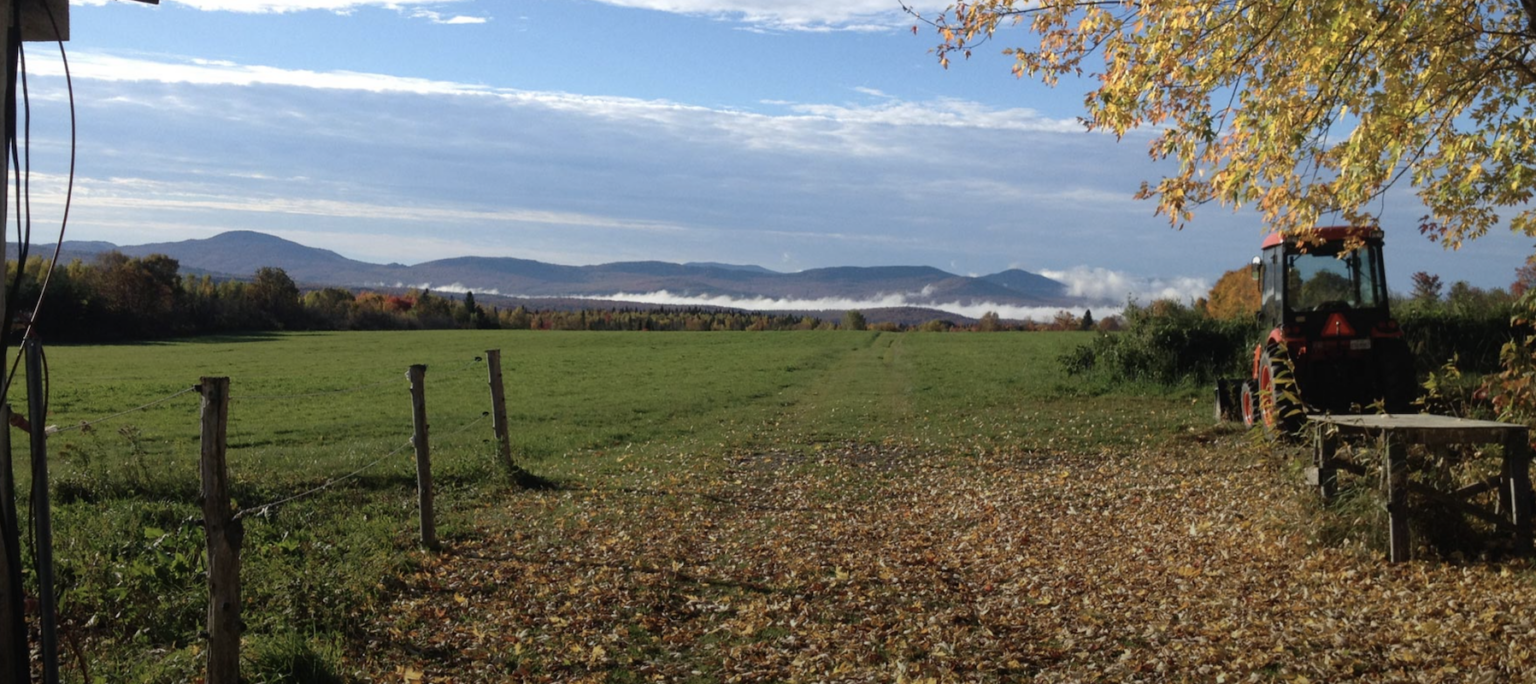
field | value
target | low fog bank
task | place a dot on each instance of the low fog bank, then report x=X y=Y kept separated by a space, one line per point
x=1103 y=291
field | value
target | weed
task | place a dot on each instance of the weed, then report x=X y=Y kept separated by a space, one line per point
x=291 y=657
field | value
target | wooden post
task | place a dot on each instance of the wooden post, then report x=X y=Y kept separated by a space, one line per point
x=1517 y=468
x=14 y=663
x=418 y=376
x=1324 y=473
x=1396 y=475
x=499 y=411
x=224 y=534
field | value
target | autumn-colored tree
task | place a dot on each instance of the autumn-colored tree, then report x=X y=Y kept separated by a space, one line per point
x=1426 y=287
x=989 y=322
x=1525 y=278
x=854 y=320
x=1235 y=296
x=1302 y=110
x=1065 y=320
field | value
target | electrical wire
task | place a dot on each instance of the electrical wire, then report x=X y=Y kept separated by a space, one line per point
x=69 y=188
x=24 y=246
x=23 y=202
x=23 y=166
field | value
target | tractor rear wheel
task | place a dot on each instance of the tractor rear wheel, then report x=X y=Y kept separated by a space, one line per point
x=1278 y=400
x=1249 y=404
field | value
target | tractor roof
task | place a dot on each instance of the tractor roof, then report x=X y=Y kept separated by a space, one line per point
x=1328 y=234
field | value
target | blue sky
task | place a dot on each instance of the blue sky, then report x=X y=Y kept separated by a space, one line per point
x=792 y=134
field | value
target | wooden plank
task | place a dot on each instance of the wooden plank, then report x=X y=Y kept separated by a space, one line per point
x=1395 y=462
x=44 y=20
x=1409 y=421
x=1427 y=429
x=1476 y=488
x=1517 y=459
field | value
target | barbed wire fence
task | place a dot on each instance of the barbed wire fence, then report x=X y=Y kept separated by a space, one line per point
x=223 y=521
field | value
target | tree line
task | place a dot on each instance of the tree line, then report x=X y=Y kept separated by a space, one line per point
x=118 y=298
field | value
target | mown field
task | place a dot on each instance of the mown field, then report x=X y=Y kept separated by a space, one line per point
x=798 y=506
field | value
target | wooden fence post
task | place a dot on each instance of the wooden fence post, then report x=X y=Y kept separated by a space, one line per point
x=14 y=661
x=224 y=534
x=499 y=411
x=418 y=376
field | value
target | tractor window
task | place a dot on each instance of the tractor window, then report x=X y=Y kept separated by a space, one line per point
x=1323 y=279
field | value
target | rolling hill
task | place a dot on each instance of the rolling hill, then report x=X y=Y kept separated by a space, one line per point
x=239 y=254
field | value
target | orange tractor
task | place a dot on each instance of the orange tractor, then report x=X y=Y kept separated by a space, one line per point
x=1332 y=345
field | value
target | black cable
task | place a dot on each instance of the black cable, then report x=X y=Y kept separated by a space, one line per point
x=7 y=143
x=23 y=187
x=69 y=194
x=69 y=189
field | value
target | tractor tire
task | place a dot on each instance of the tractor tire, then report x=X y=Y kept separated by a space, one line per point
x=1278 y=399
x=1248 y=404
x=1229 y=403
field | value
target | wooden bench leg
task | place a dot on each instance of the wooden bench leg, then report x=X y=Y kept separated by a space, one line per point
x=1324 y=474
x=1396 y=476
x=1517 y=487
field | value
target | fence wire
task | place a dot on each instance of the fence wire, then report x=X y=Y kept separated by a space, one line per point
x=345 y=390
x=88 y=424
x=263 y=509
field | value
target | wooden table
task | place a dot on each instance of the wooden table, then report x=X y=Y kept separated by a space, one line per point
x=1396 y=432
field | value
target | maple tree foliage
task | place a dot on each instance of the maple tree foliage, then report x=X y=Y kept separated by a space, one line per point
x=1301 y=110
x=1234 y=296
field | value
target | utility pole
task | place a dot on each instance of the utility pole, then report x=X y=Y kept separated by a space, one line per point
x=25 y=20
x=45 y=21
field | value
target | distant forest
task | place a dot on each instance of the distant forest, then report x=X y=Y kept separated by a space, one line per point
x=116 y=298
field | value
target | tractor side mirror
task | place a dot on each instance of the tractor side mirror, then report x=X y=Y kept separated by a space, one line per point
x=1258 y=268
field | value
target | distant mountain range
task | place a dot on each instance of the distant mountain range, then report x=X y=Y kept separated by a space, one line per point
x=238 y=254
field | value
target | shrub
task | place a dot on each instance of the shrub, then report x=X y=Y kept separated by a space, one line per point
x=1437 y=335
x=1166 y=343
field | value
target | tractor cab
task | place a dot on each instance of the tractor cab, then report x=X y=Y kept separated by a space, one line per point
x=1332 y=345
x=1330 y=291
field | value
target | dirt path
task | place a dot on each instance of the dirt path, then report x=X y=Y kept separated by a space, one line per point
x=877 y=563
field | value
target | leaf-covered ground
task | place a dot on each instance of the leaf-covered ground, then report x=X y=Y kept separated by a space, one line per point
x=1188 y=561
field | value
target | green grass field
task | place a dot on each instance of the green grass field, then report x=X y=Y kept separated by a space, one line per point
x=584 y=408
x=797 y=506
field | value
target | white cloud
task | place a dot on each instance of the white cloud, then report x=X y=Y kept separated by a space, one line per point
x=881 y=129
x=439 y=18
x=1104 y=285
x=940 y=112
x=784 y=15
x=284 y=6
x=141 y=194
x=947 y=112
x=794 y=15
